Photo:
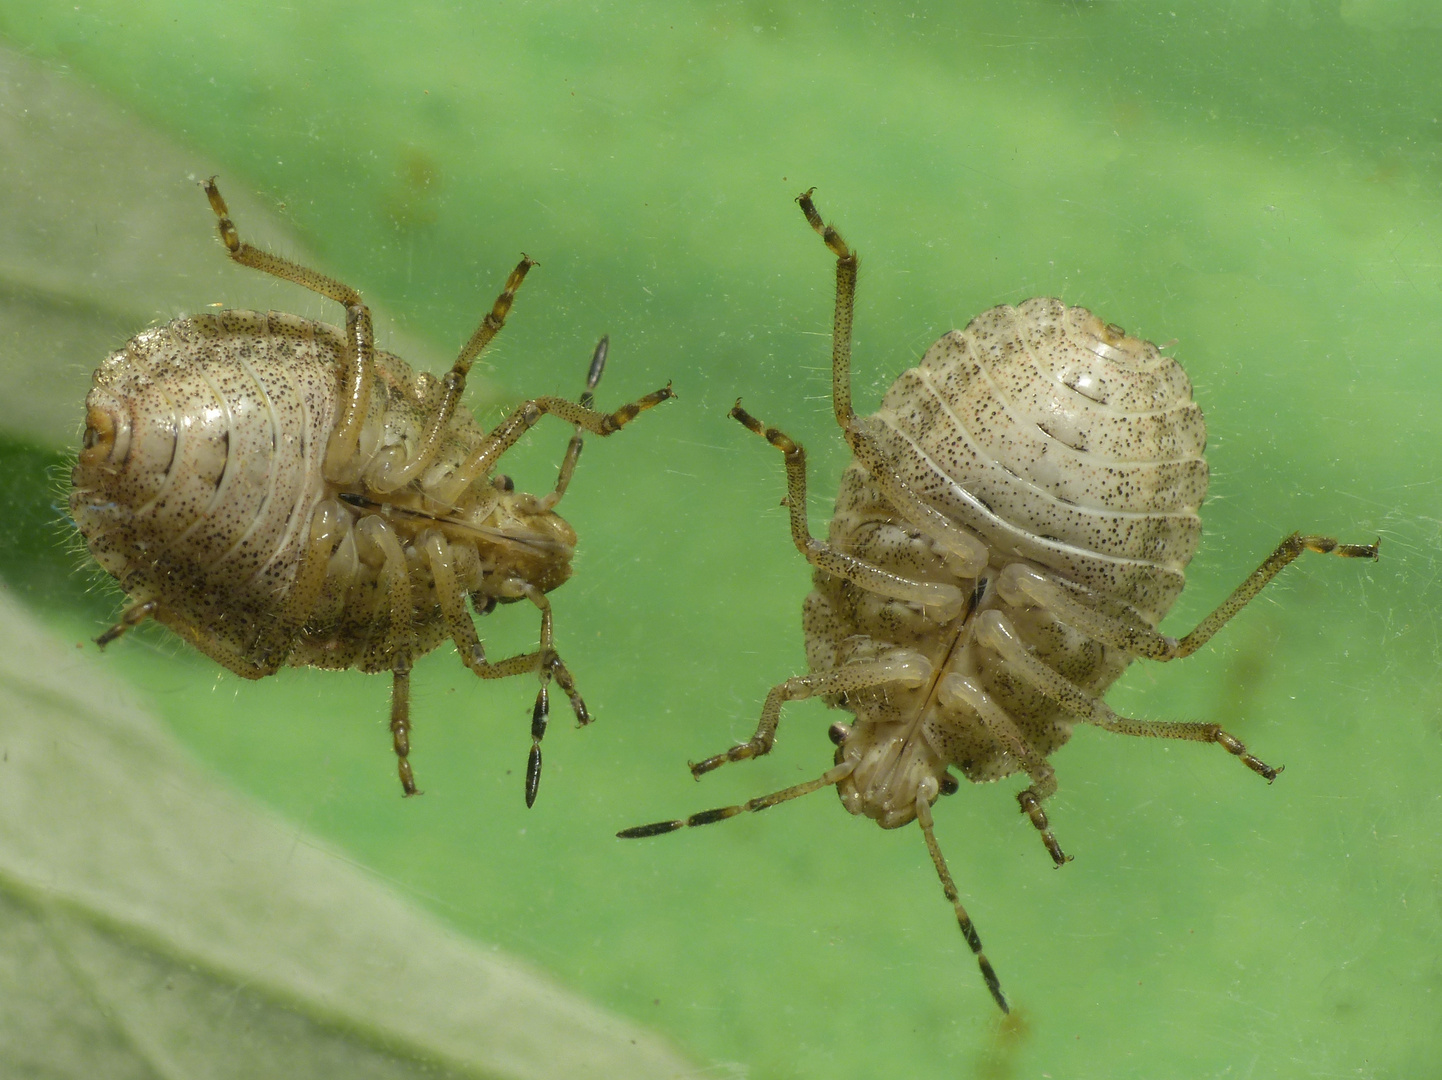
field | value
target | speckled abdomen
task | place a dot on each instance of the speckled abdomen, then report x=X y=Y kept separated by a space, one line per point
x=221 y=423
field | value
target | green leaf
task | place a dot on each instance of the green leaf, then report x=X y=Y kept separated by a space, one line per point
x=153 y=923
x=106 y=231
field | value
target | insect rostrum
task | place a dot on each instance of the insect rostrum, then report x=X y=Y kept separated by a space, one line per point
x=1013 y=525
x=279 y=491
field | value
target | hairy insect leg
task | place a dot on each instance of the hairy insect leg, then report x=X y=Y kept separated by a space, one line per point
x=545 y=661
x=924 y=798
x=1286 y=551
x=968 y=555
x=906 y=669
x=846 y=266
x=994 y=631
x=359 y=372
x=573 y=448
x=505 y=434
x=1020 y=583
x=1030 y=800
x=945 y=601
x=401 y=722
x=397 y=642
x=453 y=386
x=130 y=618
x=956 y=689
x=762 y=802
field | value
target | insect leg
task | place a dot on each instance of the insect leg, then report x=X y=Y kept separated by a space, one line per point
x=958 y=689
x=355 y=384
x=1286 y=551
x=994 y=631
x=968 y=554
x=506 y=434
x=903 y=667
x=453 y=386
x=1021 y=583
x=451 y=597
x=130 y=618
x=846 y=265
x=762 y=802
x=925 y=796
x=398 y=639
x=401 y=722
x=946 y=601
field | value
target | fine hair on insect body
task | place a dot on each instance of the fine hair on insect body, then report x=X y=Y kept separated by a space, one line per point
x=1013 y=525
x=278 y=491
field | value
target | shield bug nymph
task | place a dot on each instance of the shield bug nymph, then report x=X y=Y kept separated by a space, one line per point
x=278 y=491
x=1014 y=523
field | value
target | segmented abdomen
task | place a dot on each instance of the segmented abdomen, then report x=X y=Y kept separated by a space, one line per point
x=224 y=420
x=1059 y=442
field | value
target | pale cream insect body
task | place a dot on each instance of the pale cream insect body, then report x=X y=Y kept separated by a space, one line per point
x=1014 y=524
x=278 y=491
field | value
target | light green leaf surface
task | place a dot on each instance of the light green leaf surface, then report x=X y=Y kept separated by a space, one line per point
x=105 y=231
x=153 y=923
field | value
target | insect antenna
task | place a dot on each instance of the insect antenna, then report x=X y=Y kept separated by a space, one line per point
x=541 y=714
x=968 y=931
x=588 y=400
x=598 y=365
x=761 y=802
